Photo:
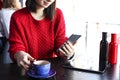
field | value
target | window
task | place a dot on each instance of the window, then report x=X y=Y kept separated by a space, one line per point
x=90 y=18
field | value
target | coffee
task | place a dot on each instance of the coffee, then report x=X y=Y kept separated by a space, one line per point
x=41 y=67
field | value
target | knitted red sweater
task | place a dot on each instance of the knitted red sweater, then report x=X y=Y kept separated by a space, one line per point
x=39 y=38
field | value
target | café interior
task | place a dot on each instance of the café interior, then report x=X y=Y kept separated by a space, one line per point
x=88 y=18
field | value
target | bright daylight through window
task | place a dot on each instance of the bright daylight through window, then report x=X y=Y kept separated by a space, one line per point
x=89 y=18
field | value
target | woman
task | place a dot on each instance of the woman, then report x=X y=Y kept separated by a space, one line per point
x=36 y=32
x=8 y=7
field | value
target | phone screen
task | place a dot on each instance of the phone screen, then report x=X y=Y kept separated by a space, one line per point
x=73 y=38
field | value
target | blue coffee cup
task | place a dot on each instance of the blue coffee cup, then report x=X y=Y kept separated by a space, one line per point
x=42 y=67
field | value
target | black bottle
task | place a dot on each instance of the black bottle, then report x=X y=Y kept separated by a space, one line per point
x=103 y=55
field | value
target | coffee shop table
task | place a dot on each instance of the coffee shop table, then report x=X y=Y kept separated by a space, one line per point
x=11 y=71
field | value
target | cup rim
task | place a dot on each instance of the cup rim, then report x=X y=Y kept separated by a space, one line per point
x=39 y=62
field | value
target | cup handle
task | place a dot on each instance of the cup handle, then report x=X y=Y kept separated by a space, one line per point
x=31 y=65
x=31 y=69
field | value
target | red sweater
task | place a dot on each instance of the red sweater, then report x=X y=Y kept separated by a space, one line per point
x=39 y=38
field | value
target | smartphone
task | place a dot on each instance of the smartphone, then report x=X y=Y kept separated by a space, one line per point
x=73 y=38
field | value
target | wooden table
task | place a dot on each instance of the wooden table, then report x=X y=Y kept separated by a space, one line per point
x=11 y=71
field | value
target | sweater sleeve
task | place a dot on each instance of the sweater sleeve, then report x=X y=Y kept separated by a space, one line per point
x=60 y=29
x=15 y=39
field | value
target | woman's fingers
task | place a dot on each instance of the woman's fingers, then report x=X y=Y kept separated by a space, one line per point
x=62 y=51
x=30 y=58
x=23 y=65
x=20 y=63
x=24 y=60
x=70 y=44
x=27 y=61
x=67 y=49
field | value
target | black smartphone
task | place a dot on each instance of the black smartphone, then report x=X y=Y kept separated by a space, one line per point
x=73 y=38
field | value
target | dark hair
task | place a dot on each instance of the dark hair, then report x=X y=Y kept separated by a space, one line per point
x=49 y=12
x=8 y=3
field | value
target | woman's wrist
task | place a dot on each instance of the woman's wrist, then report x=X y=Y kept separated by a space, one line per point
x=71 y=56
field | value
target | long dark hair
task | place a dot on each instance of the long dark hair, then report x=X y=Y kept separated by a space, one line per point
x=49 y=12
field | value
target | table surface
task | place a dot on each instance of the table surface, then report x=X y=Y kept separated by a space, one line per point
x=11 y=71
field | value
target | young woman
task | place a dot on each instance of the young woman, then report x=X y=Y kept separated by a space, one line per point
x=36 y=32
x=8 y=8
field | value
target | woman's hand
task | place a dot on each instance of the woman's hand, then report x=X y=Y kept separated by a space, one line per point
x=23 y=59
x=67 y=50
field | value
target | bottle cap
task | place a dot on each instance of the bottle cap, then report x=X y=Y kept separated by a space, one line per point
x=104 y=35
x=113 y=37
